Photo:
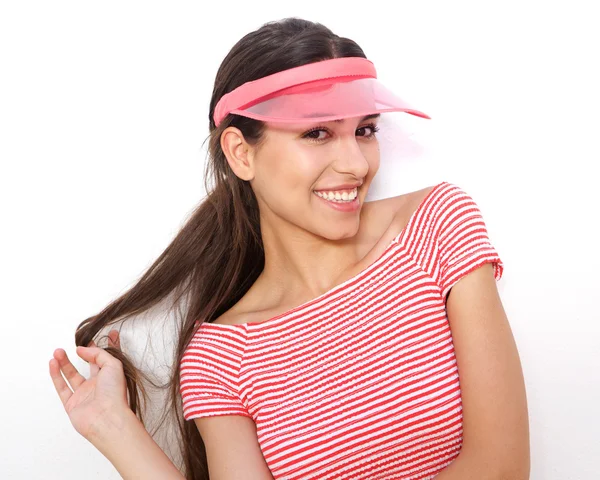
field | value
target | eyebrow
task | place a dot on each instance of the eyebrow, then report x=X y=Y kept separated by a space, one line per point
x=341 y=120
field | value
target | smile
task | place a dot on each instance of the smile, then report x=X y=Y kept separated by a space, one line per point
x=339 y=196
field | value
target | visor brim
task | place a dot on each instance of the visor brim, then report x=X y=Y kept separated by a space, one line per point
x=328 y=101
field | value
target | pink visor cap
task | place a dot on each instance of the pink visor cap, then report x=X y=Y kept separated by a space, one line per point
x=321 y=91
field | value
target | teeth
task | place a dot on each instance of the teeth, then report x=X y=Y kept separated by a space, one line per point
x=339 y=196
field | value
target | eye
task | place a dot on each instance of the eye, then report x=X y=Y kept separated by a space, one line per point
x=314 y=135
x=371 y=126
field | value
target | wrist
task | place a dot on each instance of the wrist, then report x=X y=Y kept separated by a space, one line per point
x=124 y=441
x=110 y=425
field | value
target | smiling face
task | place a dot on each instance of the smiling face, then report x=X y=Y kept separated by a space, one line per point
x=298 y=160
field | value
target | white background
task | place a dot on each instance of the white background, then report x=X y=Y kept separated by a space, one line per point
x=103 y=111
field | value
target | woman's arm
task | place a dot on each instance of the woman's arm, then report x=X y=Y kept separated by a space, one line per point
x=124 y=441
x=495 y=419
x=232 y=448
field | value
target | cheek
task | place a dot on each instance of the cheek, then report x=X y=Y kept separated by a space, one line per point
x=286 y=179
x=297 y=171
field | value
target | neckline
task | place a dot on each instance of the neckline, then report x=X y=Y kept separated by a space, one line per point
x=277 y=318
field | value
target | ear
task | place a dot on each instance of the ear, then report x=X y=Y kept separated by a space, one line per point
x=238 y=152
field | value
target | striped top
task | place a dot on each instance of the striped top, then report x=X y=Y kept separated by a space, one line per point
x=360 y=382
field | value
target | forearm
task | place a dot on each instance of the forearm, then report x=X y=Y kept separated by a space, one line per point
x=124 y=441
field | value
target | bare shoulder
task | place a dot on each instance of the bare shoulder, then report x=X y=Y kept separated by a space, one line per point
x=395 y=212
x=409 y=202
x=232 y=448
x=230 y=317
x=244 y=311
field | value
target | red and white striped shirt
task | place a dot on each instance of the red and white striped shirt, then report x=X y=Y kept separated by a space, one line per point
x=360 y=382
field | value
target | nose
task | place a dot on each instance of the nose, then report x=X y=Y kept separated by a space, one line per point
x=350 y=158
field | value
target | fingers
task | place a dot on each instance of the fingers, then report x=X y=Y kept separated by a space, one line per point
x=68 y=369
x=61 y=365
x=94 y=369
x=113 y=339
x=63 y=390
x=97 y=355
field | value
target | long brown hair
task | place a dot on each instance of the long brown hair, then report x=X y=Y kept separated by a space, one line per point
x=218 y=253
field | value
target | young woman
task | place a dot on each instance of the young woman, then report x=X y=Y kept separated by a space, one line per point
x=323 y=337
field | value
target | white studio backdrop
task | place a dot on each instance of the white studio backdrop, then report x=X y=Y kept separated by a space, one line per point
x=103 y=112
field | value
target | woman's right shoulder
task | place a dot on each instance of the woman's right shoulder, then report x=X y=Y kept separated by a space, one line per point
x=230 y=317
x=240 y=313
x=253 y=307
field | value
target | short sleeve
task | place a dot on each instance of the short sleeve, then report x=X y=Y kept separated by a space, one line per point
x=463 y=241
x=209 y=375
